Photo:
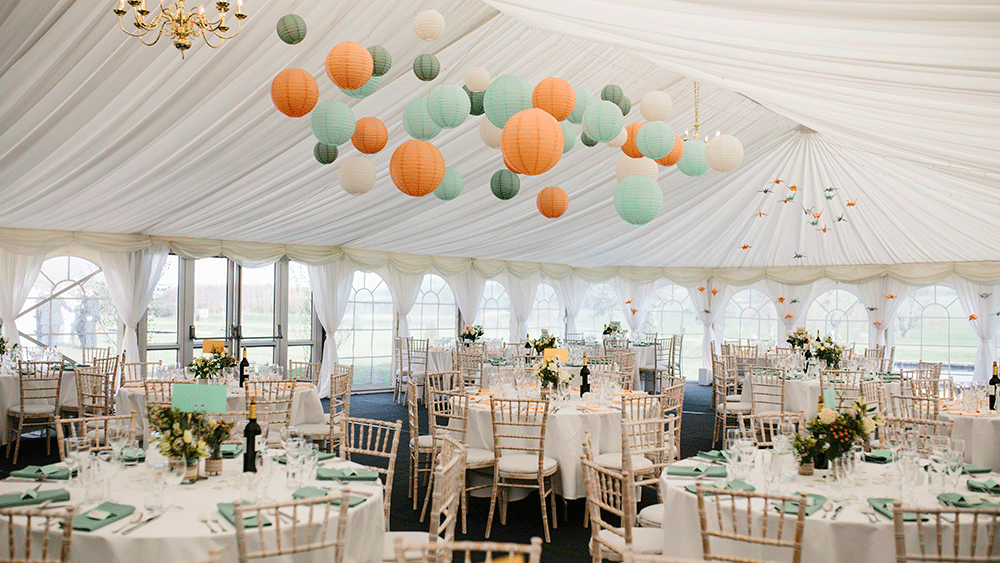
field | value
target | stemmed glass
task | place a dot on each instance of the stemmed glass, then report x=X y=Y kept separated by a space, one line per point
x=117 y=435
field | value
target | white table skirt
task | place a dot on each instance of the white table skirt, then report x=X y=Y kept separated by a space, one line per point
x=800 y=395
x=179 y=536
x=439 y=360
x=981 y=433
x=10 y=395
x=849 y=539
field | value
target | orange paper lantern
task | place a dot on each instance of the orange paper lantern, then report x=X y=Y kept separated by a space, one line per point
x=552 y=202
x=294 y=92
x=629 y=148
x=349 y=65
x=370 y=135
x=555 y=96
x=675 y=154
x=417 y=168
x=532 y=141
x=511 y=166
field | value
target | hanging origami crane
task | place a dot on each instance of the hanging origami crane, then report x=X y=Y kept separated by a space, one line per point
x=853 y=203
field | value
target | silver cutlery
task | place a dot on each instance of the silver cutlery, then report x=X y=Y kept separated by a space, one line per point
x=836 y=512
x=218 y=522
x=203 y=516
x=135 y=527
x=133 y=520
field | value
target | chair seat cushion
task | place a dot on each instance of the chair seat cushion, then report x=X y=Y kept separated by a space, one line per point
x=389 y=545
x=734 y=398
x=644 y=540
x=651 y=516
x=479 y=457
x=524 y=464
x=314 y=430
x=614 y=461
x=424 y=442
x=32 y=408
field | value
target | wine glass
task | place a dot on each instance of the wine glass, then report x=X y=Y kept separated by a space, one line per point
x=117 y=435
x=289 y=432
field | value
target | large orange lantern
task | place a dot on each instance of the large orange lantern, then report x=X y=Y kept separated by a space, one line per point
x=349 y=65
x=294 y=92
x=675 y=154
x=370 y=135
x=552 y=202
x=555 y=96
x=630 y=148
x=417 y=168
x=532 y=142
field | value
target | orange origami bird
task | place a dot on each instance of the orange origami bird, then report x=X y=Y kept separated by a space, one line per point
x=973 y=317
x=746 y=247
x=629 y=302
x=890 y=296
x=789 y=316
x=777 y=181
x=877 y=323
x=701 y=289
x=761 y=214
x=816 y=215
x=853 y=203
x=793 y=188
x=823 y=230
x=715 y=291
x=781 y=300
x=634 y=310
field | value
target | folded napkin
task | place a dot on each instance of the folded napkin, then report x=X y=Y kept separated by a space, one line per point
x=716 y=471
x=734 y=485
x=878 y=456
x=101 y=515
x=970 y=469
x=990 y=486
x=313 y=492
x=249 y=519
x=323 y=456
x=713 y=455
x=884 y=507
x=964 y=501
x=51 y=471
x=573 y=365
x=813 y=503
x=230 y=451
x=132 y=455
x=348 y=474
x=889 y=376
x=13 y=500
x=795 y=376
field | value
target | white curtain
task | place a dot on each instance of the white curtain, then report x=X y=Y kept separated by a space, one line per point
x=574 y=291
x=882 y=297
x=468 y=288
x=521 y=292
x=635 y=298
x=791 y=302
x=18 y=273
x=982 y=304
x=404 y=288
x=131 y=278
x=331 y=286
x=709 y=300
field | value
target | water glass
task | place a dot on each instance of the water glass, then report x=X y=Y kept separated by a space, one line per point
x=909 y=469
x=174 y=475
x=76 y=449
x=266 y=463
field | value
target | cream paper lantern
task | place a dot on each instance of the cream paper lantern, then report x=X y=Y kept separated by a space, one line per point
x=628 y=166
x=618 y=141
x=356 y=175
x=428 y=25
x=477 y=79
x=655 y=106
x=724 y=153
x=489 y=133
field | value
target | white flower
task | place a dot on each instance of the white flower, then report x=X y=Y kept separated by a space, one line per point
x=188 y=436
x=868 y=424
x=827 y=415
x=565 y=377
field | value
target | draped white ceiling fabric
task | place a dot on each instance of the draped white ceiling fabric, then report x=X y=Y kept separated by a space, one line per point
x=892 y=105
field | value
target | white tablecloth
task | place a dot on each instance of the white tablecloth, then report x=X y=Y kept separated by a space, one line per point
x=179 y=536
x=439 y=360
x=10 y=395
x=981 y=433
x=800 y=395
x=849 y=539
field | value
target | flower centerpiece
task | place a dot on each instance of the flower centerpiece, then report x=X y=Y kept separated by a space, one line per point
x=543 y=342
x=211 y=365
x=182 y=434
x=614 y=329
x=828 y=351
x=472 y=333
x=548 y=373
x=216 y=432
x=798 y=339
x=831 y=434
x=9 y=353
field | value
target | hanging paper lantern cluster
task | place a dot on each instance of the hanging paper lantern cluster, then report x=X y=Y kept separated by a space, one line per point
x=655 y=140
x=555 y=96
x=569 y=137
x=613 y=93
x=602 y=121
x=349 y=65
x=692 y=163
x=325 y=154
x=619 y=139
x=332 y=123
x=294 y=92
x=426 y=67
x=583 y=99
x=505 y=184
x=638 y=199
x=532 y=142
x=417 y=121
x=675 y=154
x=291 y=29
x=381 y=60
x=505 y=96
x=586 y=140
x=724 y=153
x=475 y=101
x=628 y=166
x=417 y=168
x=489 y=133
x=552 y=202
x=628 y=147
x=370 y=135
x=428 y=25
x=655 y=106
x=448 y=105
x=367 y=90
x=450 y=186
x=356 y=175
x=477 y=79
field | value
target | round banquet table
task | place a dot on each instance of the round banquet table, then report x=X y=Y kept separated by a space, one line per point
x=10 y=395
x=850 y=538
x=564 y=432
x=179 y=536
x=800 y=395
x=981 y=432
x=439 y=360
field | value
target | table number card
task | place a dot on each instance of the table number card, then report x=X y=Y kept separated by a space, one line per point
x=187 y=397
x=561 y=353
x=829 y=400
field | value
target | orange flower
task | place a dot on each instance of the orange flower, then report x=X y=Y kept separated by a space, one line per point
x=715 y=291
x=973 y=317
x=780 y=300
x=701 y=289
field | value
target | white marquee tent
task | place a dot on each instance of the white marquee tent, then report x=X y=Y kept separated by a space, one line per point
x=109 y=146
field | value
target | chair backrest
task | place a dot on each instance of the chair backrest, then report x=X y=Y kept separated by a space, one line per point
x=744 y=350
x=447 y=413
x=93 y=427
x=519 y=427
x=412 y=409
x=921 y=428
x=601 y=363
x=958 y=535
x=874 y=394
x=672 y=400
x=762 y=428
x=612 y=345
x=444 y=381
x=846 y=385
x=625 y=360
x=417 y=352
x=88 y=355
x=573 y=338
x=919 y=373
x=648 y=432
x=309 y=528
x=609 y=491
x=887 y=360
x=375 y=438
x=768 y=386
x=105 y=364
x=134 y=373
x=663 y=349
x=724 y=380
x=915 y=406
x=304 y=372
x=449 y=484
x=400 y=349
x=468 y=551
x=877 y=352
x=28 y=540
x=341 y=384
x=929 y=388
x=935 y=368
x=734 y=521
x=40 y=381
x=158 y=392
x=469 y=362
x=93 y=391
x=274 y=399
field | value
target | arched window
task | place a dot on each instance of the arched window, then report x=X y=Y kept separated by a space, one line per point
x=546 y=312
x=750 y=315
x=931 y=326
x=840 y=314
x=69 y=307
x=671 y=312
x=601 y=306
x=433 y=314
x=494 y=311
x=364 y=337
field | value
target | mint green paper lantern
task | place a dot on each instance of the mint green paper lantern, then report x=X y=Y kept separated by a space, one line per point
x=450 y=186
x=291 y=29
x=367 y=90
x=505 y=184
x=381 y=58
x=332 y=122
x=583 y=99
x=603 y=121
x=475 y=101
x=325 y=154
x=426 y=67
x=638 y=199
x=418 y=122
x=587 y=140
x=655 y=140
x=448 y=105
x=569 y=137
x=693 y=162
x=506 y=95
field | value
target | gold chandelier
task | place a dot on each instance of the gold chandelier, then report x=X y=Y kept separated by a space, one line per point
x=180 y=24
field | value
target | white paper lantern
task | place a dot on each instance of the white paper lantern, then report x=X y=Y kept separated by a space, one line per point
x=628 y=166
x=428 y=25
x=356 y=175
x=724 y=153
x=618 y=141
x=477 y=79
x=489 y=133
x=656 y=106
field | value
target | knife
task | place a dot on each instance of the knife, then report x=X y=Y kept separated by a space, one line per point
x=836 y=512
x=141 y=524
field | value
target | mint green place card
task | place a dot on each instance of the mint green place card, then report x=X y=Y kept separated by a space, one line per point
x=829 y=399
x=188 y=397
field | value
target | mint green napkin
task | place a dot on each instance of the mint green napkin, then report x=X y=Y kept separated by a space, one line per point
x=715 y=471
x=886 y=376
x=132 y=455
x=990 y=486
x=813 y=503
x=51 y=471
x=878 y=456
x=713 y=455
x=962 y=501
x=734 y=485
x=327 y=474
x=13 y=500
x=230 y=451
x=323 y=456
x=249 y=519
x=313 y=492
x=970 y=469
x=884 y=507
x=794 y=376
x=84 y=521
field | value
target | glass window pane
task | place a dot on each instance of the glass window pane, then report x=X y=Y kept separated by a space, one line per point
x=210 y=298
x=546 y=312
x=300 y=353
x=364 y=337
x=258 y=354
x=257 y=302
x=930 y=325
x=841 y=315
x=750 y=315
x=300 y=320
x=161 y=315
x=433 y=314
x=672 y=312
x=166 y=356
x=494 y=311
x=601 y=306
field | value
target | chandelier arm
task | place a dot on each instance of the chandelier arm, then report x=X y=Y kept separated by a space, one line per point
x=159 y=32
x=222 y=36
